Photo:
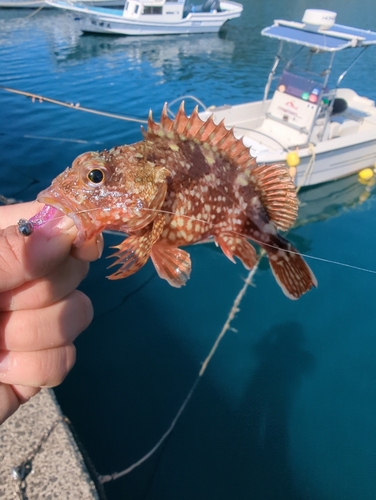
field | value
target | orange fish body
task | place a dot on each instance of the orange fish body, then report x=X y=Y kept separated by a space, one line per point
x=186 y=182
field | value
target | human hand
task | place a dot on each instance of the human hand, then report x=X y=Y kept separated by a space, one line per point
x=41 y=312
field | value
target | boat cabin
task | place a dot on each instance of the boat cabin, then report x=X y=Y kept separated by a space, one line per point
x=168 y=10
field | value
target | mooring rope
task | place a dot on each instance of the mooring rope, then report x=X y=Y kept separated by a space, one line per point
x=227 y=326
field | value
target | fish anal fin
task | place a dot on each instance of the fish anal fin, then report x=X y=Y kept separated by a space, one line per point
x=233 y=245
x=172 y=264
x=278 y=193
x=290 y=270
x=134 y=251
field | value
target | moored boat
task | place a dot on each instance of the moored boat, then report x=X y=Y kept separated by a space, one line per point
x=153 y=17
x=323 y=132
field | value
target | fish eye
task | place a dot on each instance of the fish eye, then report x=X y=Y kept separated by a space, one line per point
x=96 y=176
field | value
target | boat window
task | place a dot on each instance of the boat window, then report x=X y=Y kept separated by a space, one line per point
x=126 y=6
x=152 y=10
x=136 y=9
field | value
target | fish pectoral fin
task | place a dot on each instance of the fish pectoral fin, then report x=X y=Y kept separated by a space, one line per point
x=134 y=251
x=132 y=254
x=290 y=270
x=278 y=194
x=171 y=263
x=239 y=247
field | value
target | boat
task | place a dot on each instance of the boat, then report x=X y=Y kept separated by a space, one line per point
x=153 y=17
x=33 y=4
x=321 y=131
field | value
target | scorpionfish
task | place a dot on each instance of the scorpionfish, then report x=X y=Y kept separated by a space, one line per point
x=186 y=182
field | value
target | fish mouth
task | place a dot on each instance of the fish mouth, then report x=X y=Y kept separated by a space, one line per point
x=68 y=211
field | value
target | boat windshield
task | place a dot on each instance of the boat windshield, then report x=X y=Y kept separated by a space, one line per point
x=206 y=6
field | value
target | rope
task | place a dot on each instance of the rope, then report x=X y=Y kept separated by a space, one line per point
x=309 y=169
x=35 y=12
x=200 y=103
x=225 y=328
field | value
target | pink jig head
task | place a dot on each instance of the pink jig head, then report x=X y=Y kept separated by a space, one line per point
x=26 y=227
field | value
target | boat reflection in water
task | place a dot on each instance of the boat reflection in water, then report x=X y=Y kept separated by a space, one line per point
x=331 y=199
x=168 y=51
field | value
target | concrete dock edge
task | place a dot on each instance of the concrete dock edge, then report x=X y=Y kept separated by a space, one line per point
x=38 y=441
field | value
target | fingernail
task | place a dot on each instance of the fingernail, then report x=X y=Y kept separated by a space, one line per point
x=100 y=245
x=4 y=362
x=65 y=223
x=62 y=226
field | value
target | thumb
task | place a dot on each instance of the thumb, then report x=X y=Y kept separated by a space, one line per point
x=25 y=259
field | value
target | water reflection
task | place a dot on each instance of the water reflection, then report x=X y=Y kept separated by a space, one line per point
x=266 y=408
x=158 y=51
x=328 y=200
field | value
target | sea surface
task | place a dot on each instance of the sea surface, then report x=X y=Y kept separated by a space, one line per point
x=286 y=409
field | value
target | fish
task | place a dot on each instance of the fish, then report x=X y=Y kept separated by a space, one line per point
x=187 y=181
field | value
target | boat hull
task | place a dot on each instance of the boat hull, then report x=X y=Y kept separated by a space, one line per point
x=91 y=24
x=319 y=162
x=316 y=168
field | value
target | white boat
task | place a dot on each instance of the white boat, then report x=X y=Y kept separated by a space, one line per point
x=153 y=17
x=323 y=132
x=33 y=4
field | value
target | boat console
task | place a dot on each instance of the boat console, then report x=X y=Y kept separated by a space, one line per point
x=297 y=103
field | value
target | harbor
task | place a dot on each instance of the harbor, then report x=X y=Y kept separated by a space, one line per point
x=285 y=409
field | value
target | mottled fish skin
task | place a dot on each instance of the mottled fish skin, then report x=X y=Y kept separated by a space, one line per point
x=187 y=181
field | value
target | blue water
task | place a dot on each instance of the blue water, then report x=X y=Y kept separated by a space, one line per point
x=287 y=407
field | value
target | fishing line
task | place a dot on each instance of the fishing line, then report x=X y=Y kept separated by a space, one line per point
x=227 y=326
x=60 y=139
x=76 y=106
x=321 y=259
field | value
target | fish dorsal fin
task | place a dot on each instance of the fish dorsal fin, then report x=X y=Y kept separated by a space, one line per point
x=272 y=182
x=207 y=132
x=278 y=194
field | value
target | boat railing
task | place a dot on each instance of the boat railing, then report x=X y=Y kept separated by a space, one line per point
x=257 y=131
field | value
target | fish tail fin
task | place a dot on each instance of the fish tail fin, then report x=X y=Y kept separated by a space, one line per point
x=290 y=270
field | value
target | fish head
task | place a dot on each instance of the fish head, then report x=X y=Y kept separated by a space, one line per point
x=102 y=190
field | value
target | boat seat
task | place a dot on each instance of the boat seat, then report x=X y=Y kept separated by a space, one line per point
x=334 y=130
x=343 y=128
x=348 y=127
x=353 y=98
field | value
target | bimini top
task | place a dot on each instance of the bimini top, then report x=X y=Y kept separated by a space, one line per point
x=318 y=31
